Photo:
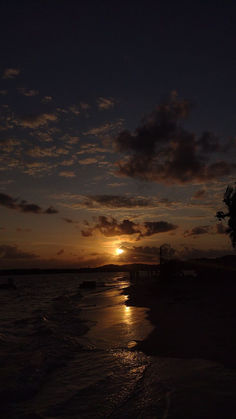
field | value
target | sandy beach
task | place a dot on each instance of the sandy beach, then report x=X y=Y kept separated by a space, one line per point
x=192 y=319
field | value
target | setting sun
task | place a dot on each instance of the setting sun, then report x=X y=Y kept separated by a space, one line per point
x=119 y=251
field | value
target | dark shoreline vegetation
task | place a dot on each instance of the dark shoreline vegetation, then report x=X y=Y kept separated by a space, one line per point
x=194 y=316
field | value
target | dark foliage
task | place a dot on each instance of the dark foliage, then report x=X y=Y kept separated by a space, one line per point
x=230 y=202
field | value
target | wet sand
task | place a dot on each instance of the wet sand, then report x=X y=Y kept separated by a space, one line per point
x=192 y=349
x=192 y=319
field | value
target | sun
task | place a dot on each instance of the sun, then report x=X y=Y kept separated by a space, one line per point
x=119 y=251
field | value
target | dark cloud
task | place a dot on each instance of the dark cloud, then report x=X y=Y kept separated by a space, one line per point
x=50 y=210
x=60 y=252
x=200 y=194
x=116 y=201
x=209 y=143
x=139 y=254
x=197 y=231
x=69 y=221
x=22 y=206
x=155 y=227
x=221 y=228
x=161 y=150
x=109 y=226
x=13 y=252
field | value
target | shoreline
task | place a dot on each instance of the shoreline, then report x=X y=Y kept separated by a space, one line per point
x=191 y=319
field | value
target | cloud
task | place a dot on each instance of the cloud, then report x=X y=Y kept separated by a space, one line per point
x=68 y=220
x=60 y=252
x=197 y=231
x=13 y=252
x=47 y=151
x=3 y=92
x=105 y=103
x=109 y=226
x=74 y=109
x=195 y=253
x=46 y=99
x=10 y=73
x=89 y=160
x=27 y=92
x=115 y=202
x=105 y=128
x=221 y=228
x=139 y=254
x=161 y=150
x=84 y=106
x=22 y=206
x=35 y=121
x=67 y=174
x=200 y=194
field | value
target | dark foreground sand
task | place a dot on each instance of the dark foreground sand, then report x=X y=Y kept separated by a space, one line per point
x=192 y=319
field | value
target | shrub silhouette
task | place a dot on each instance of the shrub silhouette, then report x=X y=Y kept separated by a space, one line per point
x=230 y=202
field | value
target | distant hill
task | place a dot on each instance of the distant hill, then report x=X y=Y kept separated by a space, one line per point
x=104 y=268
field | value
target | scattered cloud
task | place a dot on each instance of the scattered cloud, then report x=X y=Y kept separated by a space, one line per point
x=89 y=160
x=10 y=73
x=27 y=92
x=197 y=231
x=116 y=201
x=68 y=174
x=74 y=109
x=23 y=206
x=13 y=252
x=35 y=121
x=84 y=106
x=69 y=221
x=105 y=103
x=106 y=128
x=3 y=92
x=46 y=99
x=109 y=226
x=53 y=151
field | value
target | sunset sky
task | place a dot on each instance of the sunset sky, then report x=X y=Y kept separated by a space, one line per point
x=117 y=130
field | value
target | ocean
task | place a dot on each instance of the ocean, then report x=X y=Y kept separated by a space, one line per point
x=66 y=351
x=70 y=353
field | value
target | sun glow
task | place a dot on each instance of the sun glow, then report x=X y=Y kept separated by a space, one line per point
x=119 y=251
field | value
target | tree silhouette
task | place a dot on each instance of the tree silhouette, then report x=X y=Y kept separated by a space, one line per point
x=230 y=202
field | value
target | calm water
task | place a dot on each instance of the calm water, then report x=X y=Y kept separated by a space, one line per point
x=66 y=356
